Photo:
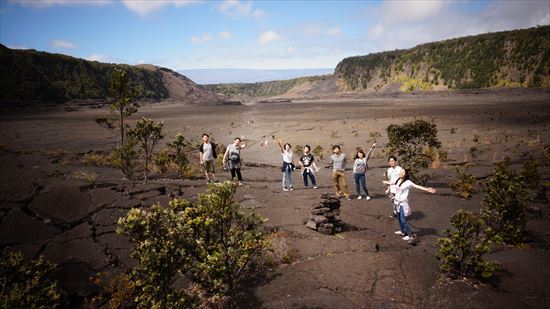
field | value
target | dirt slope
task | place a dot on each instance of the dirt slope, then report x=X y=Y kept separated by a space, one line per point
x=182 y=89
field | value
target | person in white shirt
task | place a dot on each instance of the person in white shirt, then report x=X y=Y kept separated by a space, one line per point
x=392 y=175
x=401 y=202
x=288 y=165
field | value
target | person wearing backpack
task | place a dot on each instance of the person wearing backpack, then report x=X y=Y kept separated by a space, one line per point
x=207 y=157
x=232 y=157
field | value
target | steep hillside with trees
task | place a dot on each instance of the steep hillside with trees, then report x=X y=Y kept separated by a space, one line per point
x=519 y=58
x=30 y=75
x=264 y=89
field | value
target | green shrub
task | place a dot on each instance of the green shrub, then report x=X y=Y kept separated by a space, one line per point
x=162 y=160
x=464 y=184
x=117 y=292
x=178 y=152
x=26 y=285
x=318 y=151
x=123 y=106
x=462 y=250
x=212 y=243
x=147 y=134
x=505 y=203
x=410 y=140
x=298 y=150
x=124 y=158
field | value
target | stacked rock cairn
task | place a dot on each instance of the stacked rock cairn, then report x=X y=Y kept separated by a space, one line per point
x=325 y=215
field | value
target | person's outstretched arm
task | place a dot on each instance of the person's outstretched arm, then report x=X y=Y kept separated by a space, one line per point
x=430 y=190
x=367 y=156
x=280 y=143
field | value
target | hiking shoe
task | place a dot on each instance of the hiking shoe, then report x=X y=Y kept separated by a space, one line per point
x=359 y=197
x=368 y=198
x=407 y=238
x=399 y=233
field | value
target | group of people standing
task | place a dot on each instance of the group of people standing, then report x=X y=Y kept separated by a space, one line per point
x=339 y=161
x=398 y=182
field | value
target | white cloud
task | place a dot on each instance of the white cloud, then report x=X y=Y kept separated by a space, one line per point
x=143 y=8
x=99 y=57
x=269 y=36
x=376 y=31
x=334 y=31
x=50 y=3
x=394 y=28
x=410 y=11
x=259 y=14
x=204 y=38
x=225 y=35
x=235 y=8
x=291 y=49
x=62 y=44
x=17 y=47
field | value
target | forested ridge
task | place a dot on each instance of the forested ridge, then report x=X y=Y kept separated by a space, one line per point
x=518 y=58
x=41 y=76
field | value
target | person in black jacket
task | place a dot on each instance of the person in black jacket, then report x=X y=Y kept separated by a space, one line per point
x=207 y=157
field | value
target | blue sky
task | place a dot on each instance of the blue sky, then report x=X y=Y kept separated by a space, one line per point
x=249 y=34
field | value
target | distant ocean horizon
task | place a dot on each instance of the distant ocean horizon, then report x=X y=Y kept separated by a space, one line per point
x=219 y=76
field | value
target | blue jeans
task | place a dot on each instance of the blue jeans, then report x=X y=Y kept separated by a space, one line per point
x=360 y=178
x=403 y=225
x=307 y=172
x=287 y=178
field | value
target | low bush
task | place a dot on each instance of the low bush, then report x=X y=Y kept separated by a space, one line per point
x=464 y=183
x=462 y=249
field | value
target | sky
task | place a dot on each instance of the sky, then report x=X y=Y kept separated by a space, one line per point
x=181 y=34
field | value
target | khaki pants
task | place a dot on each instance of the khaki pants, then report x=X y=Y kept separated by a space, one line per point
x=339 y=180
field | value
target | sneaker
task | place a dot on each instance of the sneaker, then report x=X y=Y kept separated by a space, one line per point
x=368 y=198
x=348 y=198
x=285 y=189
x=407 y=238
x=359 y=197
x=305 y=188
x=291 y=189
x=399 y=233
x=314 y=187
x=240 y=183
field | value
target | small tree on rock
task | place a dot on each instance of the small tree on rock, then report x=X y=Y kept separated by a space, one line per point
x=124 y=158
x=123 y=105
x=409 y=140
x=147 y=134
x=178 y=152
